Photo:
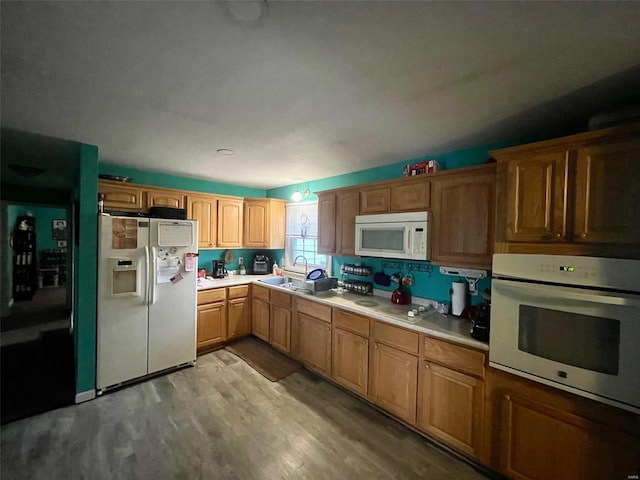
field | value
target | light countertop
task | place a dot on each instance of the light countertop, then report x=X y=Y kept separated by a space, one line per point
x=378 y=307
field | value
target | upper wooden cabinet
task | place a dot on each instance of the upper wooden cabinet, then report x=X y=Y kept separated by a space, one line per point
x=607 y=207
x=164 y=198
x=326 y=223
x=230 y=215
x=121 y=196
x=577 y=195
x=347 y=207
x=337 y=212
x=204 y=208
x=537 y=198
x=264 y=223
x=464 y=217
x=396 y=196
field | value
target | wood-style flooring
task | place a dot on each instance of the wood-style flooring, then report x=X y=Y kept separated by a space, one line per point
x=222 y=420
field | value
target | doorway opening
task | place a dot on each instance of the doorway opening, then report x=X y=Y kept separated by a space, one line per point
x=37 y=347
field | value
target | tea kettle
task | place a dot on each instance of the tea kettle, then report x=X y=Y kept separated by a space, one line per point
x=400 y=296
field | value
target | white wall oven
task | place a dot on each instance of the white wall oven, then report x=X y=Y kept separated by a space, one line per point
x=393 y=235
x=569 y=322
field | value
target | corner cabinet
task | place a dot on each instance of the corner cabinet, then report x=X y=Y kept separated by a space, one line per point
x=264 y=223
x=577 y=195
x=464 y=217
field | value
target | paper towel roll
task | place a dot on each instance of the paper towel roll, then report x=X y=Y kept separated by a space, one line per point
x=458 y=297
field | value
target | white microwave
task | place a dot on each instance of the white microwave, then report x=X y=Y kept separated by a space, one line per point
x=393 y=235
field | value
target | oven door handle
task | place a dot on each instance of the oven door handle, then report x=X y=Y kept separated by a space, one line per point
x=554 y=294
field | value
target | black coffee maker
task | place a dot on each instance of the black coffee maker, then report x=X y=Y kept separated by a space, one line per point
x=480 y=322
x=218 y=270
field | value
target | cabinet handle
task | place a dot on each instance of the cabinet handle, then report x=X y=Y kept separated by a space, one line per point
x=375 y=345
x=426 y=365
x=582 y=235
x=558 y=235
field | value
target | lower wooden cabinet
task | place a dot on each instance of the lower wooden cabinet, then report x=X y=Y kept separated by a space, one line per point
x=450 y=407
x=314 y=343
x=239 y=318
x=350 y=357
x=280 y=328
x=537 y=433
x=212 y=322
x=394 y=381
x=260 y=318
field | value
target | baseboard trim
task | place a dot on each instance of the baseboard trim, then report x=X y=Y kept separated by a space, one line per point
x=85 y=396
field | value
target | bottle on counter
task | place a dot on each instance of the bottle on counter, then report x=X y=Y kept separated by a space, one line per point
x=274 y=270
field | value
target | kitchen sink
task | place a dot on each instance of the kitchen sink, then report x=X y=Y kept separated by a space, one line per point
x=298 y=285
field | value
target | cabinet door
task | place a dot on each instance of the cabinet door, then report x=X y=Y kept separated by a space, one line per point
x=327 y=223
x=280 y=329
x=164 y=198
x=121 y=197
x=537 y=198
x=350 y=357
x=347 y=207
x=536 y=432
x=375 y=200
x=239 y=317
x=411 y=197
x=211 y=325
x=607 y=208
x=314 y=343
x=204 y=210
x=256 y=218
x=464 y=219
x=450 y=407
x=230 y=215
x=393 y=381
x=260 y=319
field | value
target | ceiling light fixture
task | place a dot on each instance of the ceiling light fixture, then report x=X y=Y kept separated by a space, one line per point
x=225 y=151
x=306 y=193
x=296 y=196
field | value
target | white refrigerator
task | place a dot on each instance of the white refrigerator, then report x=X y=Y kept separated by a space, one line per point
x=147 y=272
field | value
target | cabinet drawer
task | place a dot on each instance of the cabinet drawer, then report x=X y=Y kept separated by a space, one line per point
x=281 y=299
x=396 y=337
x=261 y=293
x=351 y=322
x=454 y=356
x=211 y=296
x=314 y=309
x=238 y=291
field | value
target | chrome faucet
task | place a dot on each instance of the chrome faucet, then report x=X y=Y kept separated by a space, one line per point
x=306 y=264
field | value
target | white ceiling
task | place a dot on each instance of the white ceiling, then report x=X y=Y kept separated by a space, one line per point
x=307 y=90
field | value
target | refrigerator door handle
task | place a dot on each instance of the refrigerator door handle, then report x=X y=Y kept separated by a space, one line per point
x=152 y=276
x=147 y=274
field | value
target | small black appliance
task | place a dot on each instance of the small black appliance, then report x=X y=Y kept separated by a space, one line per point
x=480 y=323
x=261 y=264
x=218 y=270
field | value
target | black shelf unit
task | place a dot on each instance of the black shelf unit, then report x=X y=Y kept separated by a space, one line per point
x=25 y=263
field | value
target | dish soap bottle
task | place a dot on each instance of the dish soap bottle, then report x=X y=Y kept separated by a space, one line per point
x=241 y=268
x=274 y=270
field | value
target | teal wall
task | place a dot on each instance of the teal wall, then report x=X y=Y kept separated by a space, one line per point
x=85 y=268
x=432 y=285
x=178 y=182
x=44 y=217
